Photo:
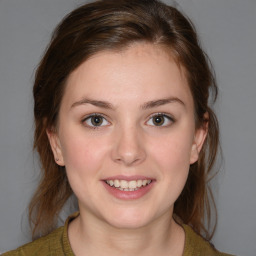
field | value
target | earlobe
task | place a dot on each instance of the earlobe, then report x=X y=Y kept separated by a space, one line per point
x=199 y=139
x=55 y=146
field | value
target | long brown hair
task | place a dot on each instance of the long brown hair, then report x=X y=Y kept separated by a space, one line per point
x=114 y=25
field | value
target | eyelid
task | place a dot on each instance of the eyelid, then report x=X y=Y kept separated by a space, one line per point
x=84 y=119
x=168 y=116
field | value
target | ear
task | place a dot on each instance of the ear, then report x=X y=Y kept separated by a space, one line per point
x=199 y=138
x=55 y=146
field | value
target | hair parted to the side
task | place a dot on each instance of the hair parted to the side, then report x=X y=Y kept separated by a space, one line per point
x=113 y=25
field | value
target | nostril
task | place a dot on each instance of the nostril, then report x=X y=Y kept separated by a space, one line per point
x=129 y=159
x=128 y=148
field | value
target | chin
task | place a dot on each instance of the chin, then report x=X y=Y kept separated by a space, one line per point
x=128 y=224
x=129 y=220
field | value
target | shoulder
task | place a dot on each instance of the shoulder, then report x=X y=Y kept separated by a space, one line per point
x=47 y=245
x=54 y=244
x=195 y=245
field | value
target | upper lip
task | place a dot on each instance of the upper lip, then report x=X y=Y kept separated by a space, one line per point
x=128 y=178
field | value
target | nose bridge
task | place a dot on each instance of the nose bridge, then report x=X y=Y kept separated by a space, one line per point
x=129 y=148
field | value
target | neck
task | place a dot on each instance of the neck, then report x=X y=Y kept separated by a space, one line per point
x=161 y=237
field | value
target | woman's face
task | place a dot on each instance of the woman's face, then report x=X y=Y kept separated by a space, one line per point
x=126 y=135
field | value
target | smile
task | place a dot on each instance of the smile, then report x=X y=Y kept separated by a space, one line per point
x=124 y=185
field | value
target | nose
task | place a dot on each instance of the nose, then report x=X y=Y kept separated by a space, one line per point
x=129 y=148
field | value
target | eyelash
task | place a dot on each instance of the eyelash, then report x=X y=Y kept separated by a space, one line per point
x=89 y=117
x=104 y=119
x=165 y=116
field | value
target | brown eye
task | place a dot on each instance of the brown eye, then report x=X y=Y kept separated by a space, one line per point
x=160 y=120
x=95 y=121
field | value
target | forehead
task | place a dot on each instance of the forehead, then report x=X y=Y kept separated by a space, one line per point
x=139 y=70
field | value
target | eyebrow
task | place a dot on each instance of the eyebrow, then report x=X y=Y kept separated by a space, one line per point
x=97 y=103
x=147 y=105
x=160 y=102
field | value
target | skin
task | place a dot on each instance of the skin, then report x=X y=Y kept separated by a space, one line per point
x=128 y=142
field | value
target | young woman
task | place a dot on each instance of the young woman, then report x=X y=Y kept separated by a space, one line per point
x=122 y=121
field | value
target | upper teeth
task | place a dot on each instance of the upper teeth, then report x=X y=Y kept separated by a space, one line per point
x=124 y=184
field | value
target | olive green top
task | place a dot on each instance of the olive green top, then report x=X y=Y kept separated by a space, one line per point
x=57 y=243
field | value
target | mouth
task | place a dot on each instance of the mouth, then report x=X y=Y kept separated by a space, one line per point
x=125 y=185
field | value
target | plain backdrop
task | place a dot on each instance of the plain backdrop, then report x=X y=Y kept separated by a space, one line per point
x=227 y=29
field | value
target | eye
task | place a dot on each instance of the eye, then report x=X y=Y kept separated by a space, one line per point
x=160 y=120
x=95 y=120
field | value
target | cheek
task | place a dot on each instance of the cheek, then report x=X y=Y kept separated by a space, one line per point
x=172 y=156
x=82 y=154
x=173 y=152
x=83 y=159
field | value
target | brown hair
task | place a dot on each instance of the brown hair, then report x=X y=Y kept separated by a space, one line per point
x=114 y=25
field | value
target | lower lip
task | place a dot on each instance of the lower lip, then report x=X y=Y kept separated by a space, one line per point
x=128 y=195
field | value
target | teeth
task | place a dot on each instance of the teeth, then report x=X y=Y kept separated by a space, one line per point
x=128 y=185
x=132 y=184
x=139 y=183
x=144 y=182
x=116 y=183
x=124 y=184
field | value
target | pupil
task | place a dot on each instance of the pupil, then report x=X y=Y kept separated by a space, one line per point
x=97 y=120
x=158 y=120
